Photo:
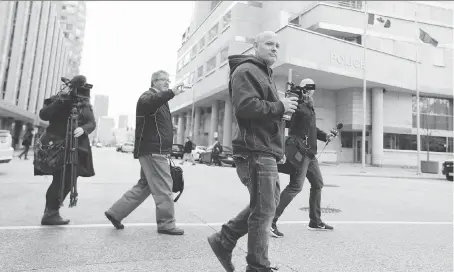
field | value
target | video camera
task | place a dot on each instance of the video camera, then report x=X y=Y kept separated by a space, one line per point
x=78 y=86
x=300 y=89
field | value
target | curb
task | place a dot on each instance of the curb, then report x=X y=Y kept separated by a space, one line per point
x=390 y=176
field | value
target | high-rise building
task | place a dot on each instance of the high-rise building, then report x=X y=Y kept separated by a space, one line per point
x=100 y=109
x=325 y=41
x=122 y=121
x=34 y=54
x=106 y=127
x=72 y=20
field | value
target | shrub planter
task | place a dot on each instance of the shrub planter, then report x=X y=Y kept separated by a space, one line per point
x=431 y=167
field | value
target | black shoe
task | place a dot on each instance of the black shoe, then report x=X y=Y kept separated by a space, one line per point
x=224 y=256
x=319 y=226
x=53 y=218
x=174 y=231
x=275 y=232
x=117 y=224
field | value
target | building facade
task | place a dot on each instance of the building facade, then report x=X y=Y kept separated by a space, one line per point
x=100 y=109
x=123 y=121
x=106 y=130
x=325 y=41
x=34 y=55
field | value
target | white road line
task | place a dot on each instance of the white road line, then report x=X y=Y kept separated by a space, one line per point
x=220 y=224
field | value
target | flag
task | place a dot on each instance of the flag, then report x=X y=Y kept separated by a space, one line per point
x=426 y=38
x=371 y=20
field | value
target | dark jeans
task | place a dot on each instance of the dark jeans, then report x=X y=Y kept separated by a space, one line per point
x=259 y=174
x=53 y=193
x=25 y=152
x=311 y=170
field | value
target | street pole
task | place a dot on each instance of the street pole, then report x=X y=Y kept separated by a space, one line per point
x=418 y=114
x=363 y=138
x=192 y=114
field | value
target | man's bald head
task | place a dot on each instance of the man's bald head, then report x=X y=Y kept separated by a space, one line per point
x=266 y=45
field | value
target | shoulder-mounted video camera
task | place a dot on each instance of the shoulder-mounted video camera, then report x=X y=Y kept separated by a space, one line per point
x=77 y=87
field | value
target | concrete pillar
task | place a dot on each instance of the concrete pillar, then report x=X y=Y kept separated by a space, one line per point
x=377 y=126
x=36 y=75
x=180 y=129
x=46 y=57
x=14 y=70
x=188 y=128
x=30 y=55
x=214 y=121
x=227 y=129
x=6 y=21
x=50 y=76
x=196 y=136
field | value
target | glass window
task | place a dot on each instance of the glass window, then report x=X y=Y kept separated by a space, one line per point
x=69 y=27
x=226 y=19
x=200 y=72
x=63 y=17
x=347 y=139
x=201 y=43
x=211 y=64
x=191 y=78
x=194 y=51
x=186 y=59
x=213 y=32
x=436 y=113
x=224 y=54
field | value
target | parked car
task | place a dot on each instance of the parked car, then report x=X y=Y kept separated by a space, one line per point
x=127 y=147
x=6 y=150
x=99 y=145
x=197 y=151
x=447 y=169
x=119 y=147
x=177 y=151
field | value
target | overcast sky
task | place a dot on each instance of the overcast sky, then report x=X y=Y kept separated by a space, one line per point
x=125 y=42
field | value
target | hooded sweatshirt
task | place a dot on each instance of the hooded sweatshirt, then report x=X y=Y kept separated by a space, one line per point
x=257 y=108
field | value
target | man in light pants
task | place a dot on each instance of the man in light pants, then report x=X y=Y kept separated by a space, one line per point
x=153 y=145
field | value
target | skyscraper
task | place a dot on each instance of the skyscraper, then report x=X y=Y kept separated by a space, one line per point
x=122 y=121
x=72 y=21
x=100 y=108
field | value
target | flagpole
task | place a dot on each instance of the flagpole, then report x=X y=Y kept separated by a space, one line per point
x=418 y=114
x=363 y=138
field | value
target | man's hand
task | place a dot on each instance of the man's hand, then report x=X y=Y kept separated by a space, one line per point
x=332 y=135
x=78 y=132
x=290 y=104
x=178 y=89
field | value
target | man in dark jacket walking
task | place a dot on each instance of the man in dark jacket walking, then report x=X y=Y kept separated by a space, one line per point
x=153 y=145
x=303 y=128
x=257 y=148
x=187 y=151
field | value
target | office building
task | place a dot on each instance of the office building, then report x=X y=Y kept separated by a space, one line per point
x=325 y=41
x=105 y=134
x=100 y=109
x=72 y=20
x=123 y=121
x=34 y=54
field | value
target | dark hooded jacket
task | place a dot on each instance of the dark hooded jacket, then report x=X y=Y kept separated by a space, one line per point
x=257 y=108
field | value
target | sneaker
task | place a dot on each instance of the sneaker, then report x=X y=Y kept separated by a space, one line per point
x=319 y=226
x=275 y=232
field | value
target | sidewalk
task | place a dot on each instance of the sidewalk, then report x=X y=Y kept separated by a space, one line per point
x=349 y=169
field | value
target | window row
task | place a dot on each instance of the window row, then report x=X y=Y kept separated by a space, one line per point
x=219 y=27
x=209 y=66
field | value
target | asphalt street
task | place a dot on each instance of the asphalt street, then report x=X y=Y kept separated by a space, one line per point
x=381 y=224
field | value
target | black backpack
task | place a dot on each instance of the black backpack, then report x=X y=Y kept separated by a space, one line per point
x=178 y=181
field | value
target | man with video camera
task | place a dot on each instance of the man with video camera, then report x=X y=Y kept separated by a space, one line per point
x=57 y=110
x=303 y=131
x=152 y=147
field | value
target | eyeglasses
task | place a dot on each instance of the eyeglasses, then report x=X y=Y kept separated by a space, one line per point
x=165 y=79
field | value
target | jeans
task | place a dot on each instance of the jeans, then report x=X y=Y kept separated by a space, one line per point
x=311 y=170
x=259 y=174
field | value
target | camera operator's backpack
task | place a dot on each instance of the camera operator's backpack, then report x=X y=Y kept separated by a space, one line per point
x=178 y=181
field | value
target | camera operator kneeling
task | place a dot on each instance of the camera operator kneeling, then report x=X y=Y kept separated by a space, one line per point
x=57 y=110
